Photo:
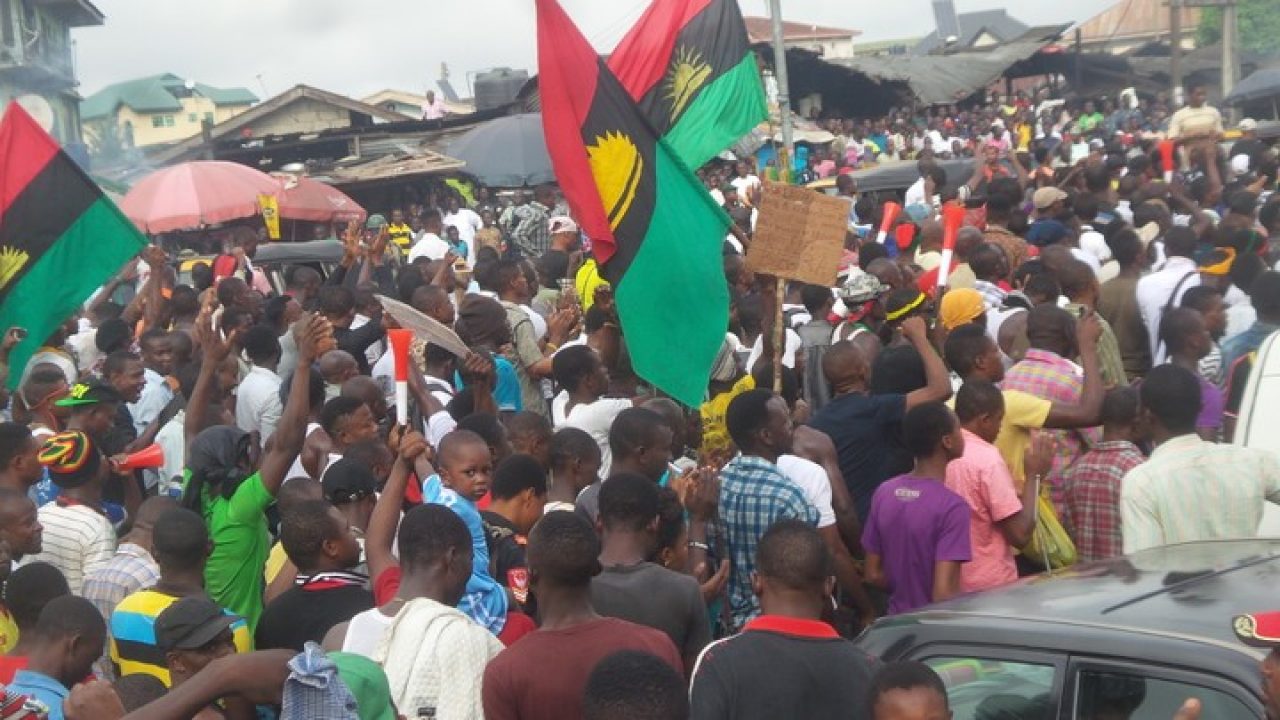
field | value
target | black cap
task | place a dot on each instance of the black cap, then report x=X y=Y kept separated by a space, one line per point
x=190 y=624
x=348 y=481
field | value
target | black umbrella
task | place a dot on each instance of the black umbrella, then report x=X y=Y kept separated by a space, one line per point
x=1260 y=85
x=506 y=152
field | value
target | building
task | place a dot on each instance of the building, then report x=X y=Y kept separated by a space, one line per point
x=299 y=111
x=976 y=30
x=37 y=64
x=825 y=41
x=1132 y=24
x=410 y=104
x=159 y=110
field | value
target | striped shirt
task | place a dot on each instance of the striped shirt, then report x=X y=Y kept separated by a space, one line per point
x=1195 y=490
x=133 y=635
x=77 y=540
x=131 y=569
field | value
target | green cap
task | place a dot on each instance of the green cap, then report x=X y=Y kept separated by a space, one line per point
x=367 y=683
x=375 y=221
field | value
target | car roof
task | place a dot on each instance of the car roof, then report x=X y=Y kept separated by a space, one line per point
x=902 y=175
x=299 y=252
x=1189 y=590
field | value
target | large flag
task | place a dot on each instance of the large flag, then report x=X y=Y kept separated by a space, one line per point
x=654 y=229
x=689 y=66
x=60 y=237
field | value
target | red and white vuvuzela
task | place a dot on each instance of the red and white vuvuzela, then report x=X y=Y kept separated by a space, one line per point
x=1166 y=159
x=400 y=340
x=889 y=215
x=952 y=219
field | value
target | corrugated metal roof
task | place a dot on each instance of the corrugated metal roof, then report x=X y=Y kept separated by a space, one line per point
x=943 y=79
x=392 y=167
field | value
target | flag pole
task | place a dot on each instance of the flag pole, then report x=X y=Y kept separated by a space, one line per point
x=784 y=172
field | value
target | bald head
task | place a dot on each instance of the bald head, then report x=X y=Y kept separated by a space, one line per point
x=152 y=508
x=845 y=366
x=338 y=366
x=456 y=441
x=434 y=302
x=931 y=234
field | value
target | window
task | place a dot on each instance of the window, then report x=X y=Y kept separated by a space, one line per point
x=168 y=121
x=1110 y=694
x=157 y=121
x=984 y=688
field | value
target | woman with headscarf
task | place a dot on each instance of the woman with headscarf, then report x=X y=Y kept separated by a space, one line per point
x=228 y=485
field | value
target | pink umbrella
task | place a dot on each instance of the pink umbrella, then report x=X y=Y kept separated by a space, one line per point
x=302 y=198
x=195 y=194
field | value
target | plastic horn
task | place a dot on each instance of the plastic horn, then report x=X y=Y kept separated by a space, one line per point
x=400 y=339
x=889 y=212
x=151 y=456
x=952 y=219
x=905 y=234
x=1166 y=159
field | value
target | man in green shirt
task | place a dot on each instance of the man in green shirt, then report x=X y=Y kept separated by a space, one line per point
x=227 y=486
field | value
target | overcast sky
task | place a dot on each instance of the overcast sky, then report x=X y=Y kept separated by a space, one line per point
x=358 y=48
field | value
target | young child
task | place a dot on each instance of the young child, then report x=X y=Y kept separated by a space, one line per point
x=917 y=534
x=465 y=470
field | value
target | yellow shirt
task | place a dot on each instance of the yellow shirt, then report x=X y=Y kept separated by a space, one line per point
x=1023 y=413
x=133 y=635
x=8 y=631
x=401 y=235
x=275 y=563
x=586 y=282
x=715 y=434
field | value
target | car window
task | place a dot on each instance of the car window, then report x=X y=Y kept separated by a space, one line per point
x=1119 y=696
x=985 y=689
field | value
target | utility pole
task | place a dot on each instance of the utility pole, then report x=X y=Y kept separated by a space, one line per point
x=1230 y=48
x=1175 y=51
x=784 y=96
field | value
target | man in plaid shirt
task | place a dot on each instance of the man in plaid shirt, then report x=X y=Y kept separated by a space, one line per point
x=1046 y=373
x=1091 y=487
x=754 y=492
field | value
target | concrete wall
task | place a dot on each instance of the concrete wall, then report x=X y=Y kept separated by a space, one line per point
x=301 y=116
x=830 y=49
x=186 y=122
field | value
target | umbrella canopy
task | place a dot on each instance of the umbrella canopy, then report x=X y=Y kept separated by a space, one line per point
x=302 y=198
x=1260 y=85
x=506 y=152
x=195 y=194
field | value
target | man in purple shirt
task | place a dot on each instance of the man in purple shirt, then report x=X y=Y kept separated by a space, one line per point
x=1187 y=340
x=917 y=534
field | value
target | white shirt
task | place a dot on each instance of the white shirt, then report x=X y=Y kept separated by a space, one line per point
x=595 y=419
x=1087 y=258
x=1154 y=293
x=794 y=343
x=430 y=246
x=746 y=186
x=813 y=483
x=468 y=224
x=258 y=404
x=915 y=194
x=77 y=540
x=155 y=396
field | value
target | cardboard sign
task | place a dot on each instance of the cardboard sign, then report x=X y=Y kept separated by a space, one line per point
x=799 y=235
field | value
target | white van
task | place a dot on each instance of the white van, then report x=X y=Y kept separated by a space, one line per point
x=1259 y=423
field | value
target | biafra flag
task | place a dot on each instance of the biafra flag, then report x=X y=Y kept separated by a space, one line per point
x=60 y=237
x=689 y=66
x=654 y=229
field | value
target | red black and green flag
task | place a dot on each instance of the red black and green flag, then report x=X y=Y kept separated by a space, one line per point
x=654 y=229
x=60 y=237
x=689 y=66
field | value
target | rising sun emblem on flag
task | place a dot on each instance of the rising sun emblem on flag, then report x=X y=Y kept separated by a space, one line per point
x=11 y=261
x=687 y=74
x=617 y=166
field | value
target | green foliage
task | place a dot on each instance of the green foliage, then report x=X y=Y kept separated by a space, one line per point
x=1258 y=21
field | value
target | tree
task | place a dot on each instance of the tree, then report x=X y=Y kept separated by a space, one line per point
x=1258 y=21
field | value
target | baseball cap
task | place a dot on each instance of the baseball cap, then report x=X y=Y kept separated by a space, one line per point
x=367 y=683
x=1248 y=124
x=348 y=481
x=375 y=221
x=90 y=394
x=1046 y=196
x=190 y=624
x=71 y=458
x=561 y=223
x=861 y=287
x=1261 y=630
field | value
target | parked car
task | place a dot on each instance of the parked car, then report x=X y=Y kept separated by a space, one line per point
x=272 y=258
x=1260 y=416
x=1136 y=635
x=891 y=180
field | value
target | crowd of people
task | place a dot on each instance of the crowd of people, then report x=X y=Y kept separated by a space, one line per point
x=549 y=537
